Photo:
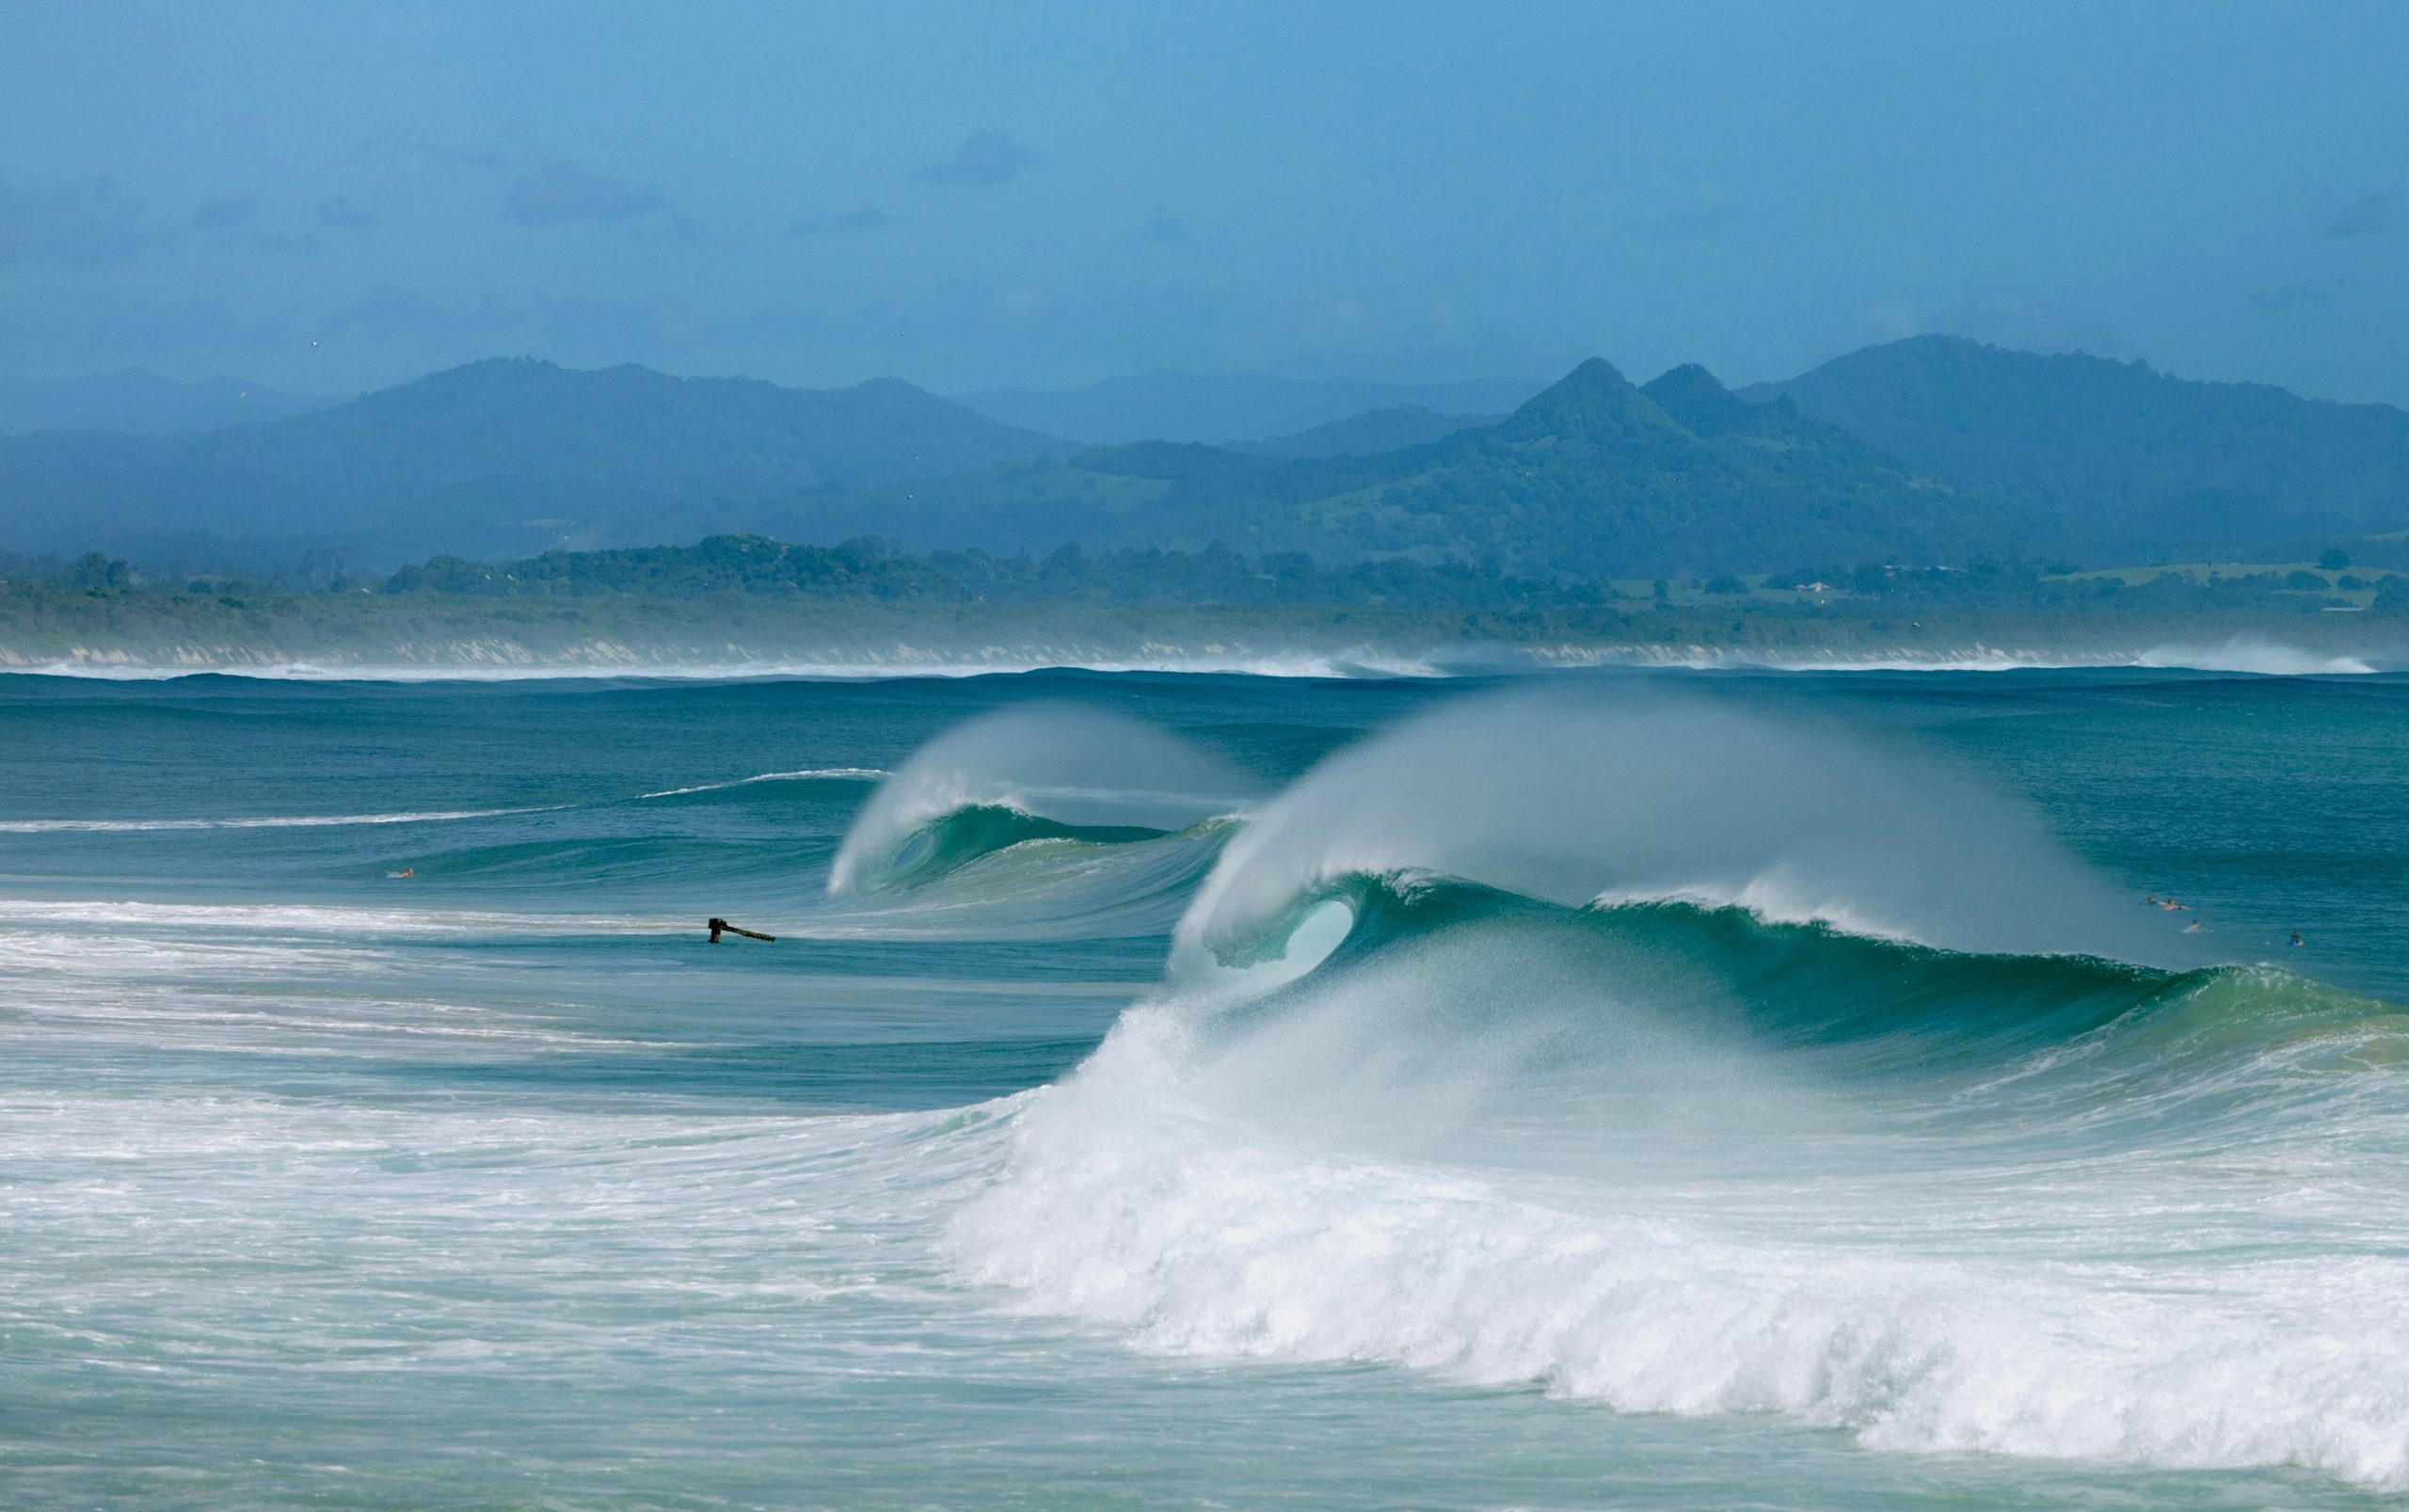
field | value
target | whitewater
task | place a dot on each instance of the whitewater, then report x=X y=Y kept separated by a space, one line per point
x=1682 y=1089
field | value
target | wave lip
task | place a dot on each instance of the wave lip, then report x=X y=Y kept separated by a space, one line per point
x=1024 y=775
x=1642 y=795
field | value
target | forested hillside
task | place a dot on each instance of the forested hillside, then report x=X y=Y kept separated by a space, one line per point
x=2117 y=446
x=1593 y=477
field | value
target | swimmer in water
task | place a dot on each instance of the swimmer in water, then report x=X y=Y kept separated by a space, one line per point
x=2296 y=937
x=2193 y=928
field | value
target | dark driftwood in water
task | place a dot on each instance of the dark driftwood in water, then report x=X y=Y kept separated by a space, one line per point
x=718 y=926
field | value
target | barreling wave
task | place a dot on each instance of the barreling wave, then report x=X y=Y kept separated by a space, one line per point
x=1636 y=796
x=957 y=838
x=1688 y=1063
x=1855 y=1005
x=1029 y=774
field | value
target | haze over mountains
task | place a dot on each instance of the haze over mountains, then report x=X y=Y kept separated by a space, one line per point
x=1929 y=451
x=1368 y=434
x=1190 y=406
x=499 y=455
x=144 y=403
x=2130 y=451
x=1593 y=477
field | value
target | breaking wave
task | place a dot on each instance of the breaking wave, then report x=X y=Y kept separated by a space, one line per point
x=2254 y=654
x=1027 y=775
x=1642 y=796
x=1686 y=1062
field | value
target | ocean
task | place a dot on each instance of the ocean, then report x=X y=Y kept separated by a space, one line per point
x=1671 y=1089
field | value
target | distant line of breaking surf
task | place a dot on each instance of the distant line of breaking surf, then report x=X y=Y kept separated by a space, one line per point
x=2244 y=653
x=285 y=822
x=273 y=821
x=806 y=775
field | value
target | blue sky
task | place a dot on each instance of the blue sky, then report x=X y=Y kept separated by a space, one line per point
x=979 y=195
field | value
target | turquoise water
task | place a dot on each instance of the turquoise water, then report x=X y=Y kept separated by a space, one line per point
x=1676 y=1089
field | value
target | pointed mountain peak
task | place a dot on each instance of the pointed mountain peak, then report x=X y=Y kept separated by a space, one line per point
x=1694 y=396
x=1593 y=398
x=1593 y=375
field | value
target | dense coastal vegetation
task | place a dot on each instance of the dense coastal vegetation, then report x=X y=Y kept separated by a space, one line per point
x=739 y=600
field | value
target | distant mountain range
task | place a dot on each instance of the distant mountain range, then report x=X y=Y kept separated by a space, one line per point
x=135 y=403
x=509 y=455
x=1367 y=435
x=1930 y=450
x=1593 y=477
x=1189 y=406
x=2117 y=447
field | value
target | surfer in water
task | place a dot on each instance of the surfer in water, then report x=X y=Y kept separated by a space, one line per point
x=2296 y=939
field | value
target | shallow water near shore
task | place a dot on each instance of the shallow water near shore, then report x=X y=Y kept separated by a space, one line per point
x=1666 y=1089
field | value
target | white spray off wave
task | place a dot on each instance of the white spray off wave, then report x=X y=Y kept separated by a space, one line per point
x=2254 y=654
x=1129 y=1206
x=1318 y=1176
x=1642 y=795
x=1074 y=766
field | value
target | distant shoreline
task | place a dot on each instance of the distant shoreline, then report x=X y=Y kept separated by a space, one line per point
x=489 y=661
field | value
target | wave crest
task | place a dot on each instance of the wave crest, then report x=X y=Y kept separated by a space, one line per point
x=1643 y=796
x=1028 y=773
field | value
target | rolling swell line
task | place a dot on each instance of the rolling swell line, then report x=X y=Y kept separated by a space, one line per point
x=77 y=826
x=280 y=821
x=806 y=775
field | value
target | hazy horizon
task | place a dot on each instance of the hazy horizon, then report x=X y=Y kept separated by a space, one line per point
x=335 y=199
x=1537 y=381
